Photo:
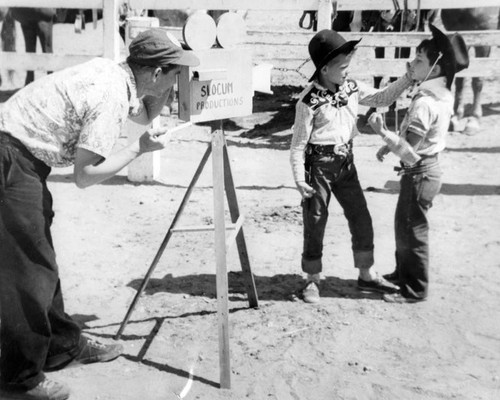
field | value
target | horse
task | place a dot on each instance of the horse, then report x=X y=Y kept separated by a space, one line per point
x=37 y=24
x=8 y=37
x=457 y=19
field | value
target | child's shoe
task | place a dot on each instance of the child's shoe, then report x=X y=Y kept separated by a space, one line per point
x=310 y=294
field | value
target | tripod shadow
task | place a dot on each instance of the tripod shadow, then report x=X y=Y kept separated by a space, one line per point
x=148 y=340
x=281 y=287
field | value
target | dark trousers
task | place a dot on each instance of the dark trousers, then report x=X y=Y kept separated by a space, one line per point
x=36 y=23
x=32 y=31
x=412 y=228
x=35 y=332
x=327 y=174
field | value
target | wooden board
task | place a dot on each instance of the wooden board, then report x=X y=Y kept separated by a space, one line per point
x=225 y=91
x=301 y=4
x=199 y=31
x=53 y=3
x=41 y=62
x=375 y=39
x=366 y=67
x=231 y=30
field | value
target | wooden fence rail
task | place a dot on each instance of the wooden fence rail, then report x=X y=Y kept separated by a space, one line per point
x=274 y=47
x=302 y=4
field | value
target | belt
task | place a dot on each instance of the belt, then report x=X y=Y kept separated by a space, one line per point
x=423 y=165
x=340 y=149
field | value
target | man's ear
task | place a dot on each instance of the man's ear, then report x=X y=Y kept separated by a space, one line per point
x=156 y=73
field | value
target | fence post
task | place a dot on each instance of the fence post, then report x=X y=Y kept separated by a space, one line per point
x=111 y=33
x=325 y=10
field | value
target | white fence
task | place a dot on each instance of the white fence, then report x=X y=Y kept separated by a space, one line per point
x=52 y=62
x=284 y=49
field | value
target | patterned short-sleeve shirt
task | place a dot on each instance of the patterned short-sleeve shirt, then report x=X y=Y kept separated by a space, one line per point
x=83 y=106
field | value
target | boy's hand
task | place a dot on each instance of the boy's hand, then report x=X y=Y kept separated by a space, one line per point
x=154 y=139
x=410 y=73
x=382 y=152
x=376 y=121
x=305 y=190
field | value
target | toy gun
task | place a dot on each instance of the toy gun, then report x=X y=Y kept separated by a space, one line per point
x=401 y=148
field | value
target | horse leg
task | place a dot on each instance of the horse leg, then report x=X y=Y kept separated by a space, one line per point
x=472 y=125
x=477 y=89
x=8 y=36
x=477 y=83
x=459 y=106
x=30 y=36
x=44 y=33
x=473 y=122
x=457 y=123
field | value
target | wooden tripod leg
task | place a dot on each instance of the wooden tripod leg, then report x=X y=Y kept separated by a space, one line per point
x=221 y=258
x=184 y=201
x=234 y=211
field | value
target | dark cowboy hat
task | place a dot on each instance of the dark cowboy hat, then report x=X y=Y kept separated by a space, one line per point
x=326 y=45
x=455 y=55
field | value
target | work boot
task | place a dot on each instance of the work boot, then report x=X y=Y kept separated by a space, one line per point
x=94 y=351
x=393 y=277
x=45 y=390
x=400 y=299
x=377 y=285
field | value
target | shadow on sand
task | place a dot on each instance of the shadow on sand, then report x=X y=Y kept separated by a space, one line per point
x=281 y=287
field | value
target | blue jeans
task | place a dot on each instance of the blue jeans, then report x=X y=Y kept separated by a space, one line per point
x=412 y=227
x=35 y=331
x=327 y=174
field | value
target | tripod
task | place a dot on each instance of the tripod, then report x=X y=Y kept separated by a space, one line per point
x=222 y=182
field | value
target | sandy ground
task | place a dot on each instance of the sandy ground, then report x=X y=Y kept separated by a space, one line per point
x=350 y=346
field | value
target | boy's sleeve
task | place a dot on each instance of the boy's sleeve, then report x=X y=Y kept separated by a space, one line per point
x=369 y=96
x=420 y=117
x=301 y=130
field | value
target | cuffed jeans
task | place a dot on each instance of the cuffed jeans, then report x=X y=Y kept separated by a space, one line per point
x=412 y=228
x=335 y=174
x=35 y=331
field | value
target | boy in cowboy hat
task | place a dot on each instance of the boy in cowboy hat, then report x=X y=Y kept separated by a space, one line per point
x=322 y=160
x=424 y=128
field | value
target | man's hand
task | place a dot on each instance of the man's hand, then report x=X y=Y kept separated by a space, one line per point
x=376 y=121
x=154 y=139
x=382 y=152
x=305 y=190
